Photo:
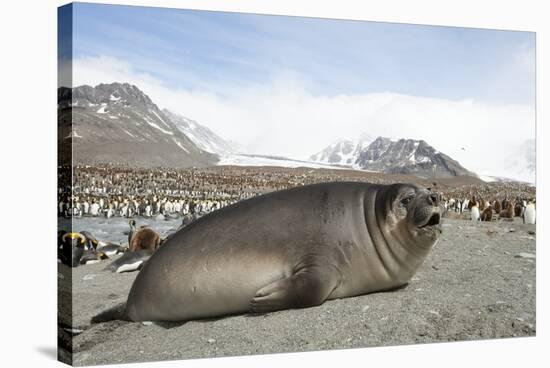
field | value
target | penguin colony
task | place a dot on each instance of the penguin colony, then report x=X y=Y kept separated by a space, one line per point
x=188 y=194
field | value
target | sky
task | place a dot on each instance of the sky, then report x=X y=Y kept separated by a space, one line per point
x=293 y=85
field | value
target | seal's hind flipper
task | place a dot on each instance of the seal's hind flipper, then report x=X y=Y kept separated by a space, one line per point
x=118 y=312
x=306 y=288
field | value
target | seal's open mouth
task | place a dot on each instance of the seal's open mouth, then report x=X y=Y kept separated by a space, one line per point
x=434 y=220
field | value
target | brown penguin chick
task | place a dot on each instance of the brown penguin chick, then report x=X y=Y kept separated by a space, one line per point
x=487 y=214
x=518 y=209
x=508 y=212
x=504 y=204
x=496 y=205
x=482 y=204
x=472 y=202
x=145 y=239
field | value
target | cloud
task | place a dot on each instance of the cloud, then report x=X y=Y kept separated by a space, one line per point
x=103 y=69
x=283 y=117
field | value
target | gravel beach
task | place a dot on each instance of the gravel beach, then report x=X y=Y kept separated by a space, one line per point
x=477 y=283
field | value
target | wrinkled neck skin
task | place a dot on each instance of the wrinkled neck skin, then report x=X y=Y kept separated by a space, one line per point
x=401 y=246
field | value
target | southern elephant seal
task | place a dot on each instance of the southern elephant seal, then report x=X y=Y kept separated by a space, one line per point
x=287 y=249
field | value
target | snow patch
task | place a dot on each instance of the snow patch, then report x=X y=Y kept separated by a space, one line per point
x=158 y=127
x=127 y=132
x=113 y=98
x=181 y=146
x=248 y=160
x=487 y=179
x=102 y=109
x=157 y=115
x=347 y=151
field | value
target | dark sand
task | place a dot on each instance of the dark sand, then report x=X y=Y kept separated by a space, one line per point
x=474 y=285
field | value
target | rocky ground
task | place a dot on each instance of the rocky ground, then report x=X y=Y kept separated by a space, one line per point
x=478 y=283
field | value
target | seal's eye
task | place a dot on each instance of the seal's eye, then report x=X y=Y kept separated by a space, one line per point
x=405 y=201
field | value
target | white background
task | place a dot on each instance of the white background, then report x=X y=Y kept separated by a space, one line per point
x=28 y=136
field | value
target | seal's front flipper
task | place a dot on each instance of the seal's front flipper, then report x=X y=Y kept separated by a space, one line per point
x=306 y=288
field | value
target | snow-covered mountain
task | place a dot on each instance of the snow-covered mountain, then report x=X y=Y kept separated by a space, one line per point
x=343 y=152
x=201 y=135
x=403 y=156
x=408 y=156
x=519 y=165
x=522 y=163
x=118 y=123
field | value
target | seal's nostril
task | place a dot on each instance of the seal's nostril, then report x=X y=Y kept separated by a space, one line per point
x=433 y=199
